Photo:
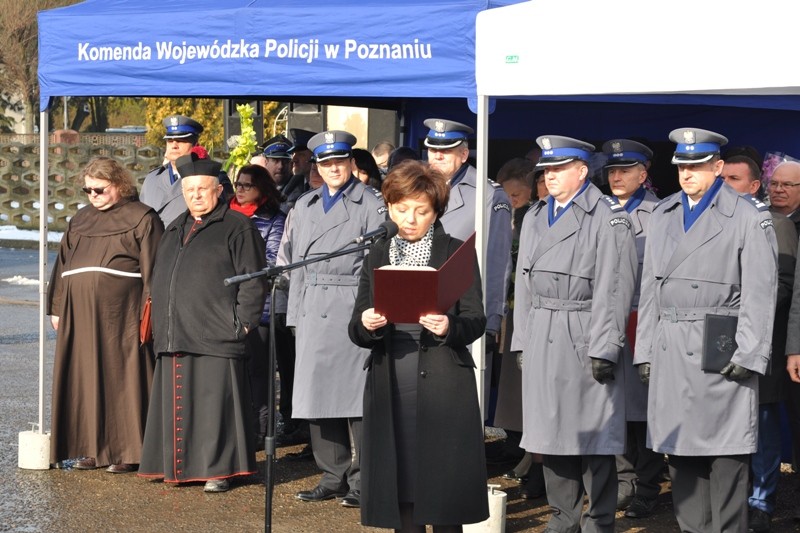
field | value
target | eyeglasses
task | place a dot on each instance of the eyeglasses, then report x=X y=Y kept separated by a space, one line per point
x=781 y=185
x=97 y=190
x=243 y=186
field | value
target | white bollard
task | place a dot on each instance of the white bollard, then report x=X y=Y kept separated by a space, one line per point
x=34 y=450
x=496 y=523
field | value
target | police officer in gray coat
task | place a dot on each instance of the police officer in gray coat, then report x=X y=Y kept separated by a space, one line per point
x=575 y=278
x=448 y=151
x=161 y=189
x=709 y=251
x=329 y=373
x=639 y=468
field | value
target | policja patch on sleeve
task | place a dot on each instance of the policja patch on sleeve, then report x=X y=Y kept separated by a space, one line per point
x=501 y=206
x=766 y=224
x=620 y=220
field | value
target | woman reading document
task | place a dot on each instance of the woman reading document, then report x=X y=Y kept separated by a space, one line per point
x=422 y=457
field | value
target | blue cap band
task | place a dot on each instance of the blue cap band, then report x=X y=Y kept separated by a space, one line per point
x=181 y=128
x=455 y=134
x=279 y=147
x=334 y=147
x=567 y=152
x=697 y=148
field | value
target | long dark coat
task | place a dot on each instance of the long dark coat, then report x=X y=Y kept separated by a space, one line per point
x=451 y=469
x=199 y=419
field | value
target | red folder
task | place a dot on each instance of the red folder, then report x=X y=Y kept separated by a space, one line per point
x=404 y=295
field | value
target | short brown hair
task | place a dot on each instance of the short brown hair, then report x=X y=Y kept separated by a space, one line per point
x=410 y=179
x=111 y=170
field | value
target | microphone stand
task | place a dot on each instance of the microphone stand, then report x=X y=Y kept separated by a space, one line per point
x=269 y=438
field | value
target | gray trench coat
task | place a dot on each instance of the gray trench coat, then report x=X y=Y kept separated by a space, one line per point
x=725 y=264
x=573 y=290
x=329 y=370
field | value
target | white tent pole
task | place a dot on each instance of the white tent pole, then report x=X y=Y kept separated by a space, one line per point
x=481 y=241
x=44 y=183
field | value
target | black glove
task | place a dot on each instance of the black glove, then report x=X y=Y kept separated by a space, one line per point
x=280 y=321
x=491 y=342
x=644 y=372
x=735 y=372
x=602 y=370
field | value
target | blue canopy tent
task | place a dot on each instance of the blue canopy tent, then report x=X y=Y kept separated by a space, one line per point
x=376 y=53
x=370 y=52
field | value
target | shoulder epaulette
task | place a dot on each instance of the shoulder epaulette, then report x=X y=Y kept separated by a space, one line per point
x=613 y=203
x=755 y=202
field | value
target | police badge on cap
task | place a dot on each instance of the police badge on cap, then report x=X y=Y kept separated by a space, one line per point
x=626 y=153
x=334 y=144
x=444 y=134
x=559 y=150
x=181 y=127
x=695 y=145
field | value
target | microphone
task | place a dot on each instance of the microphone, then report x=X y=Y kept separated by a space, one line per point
x=387 y=229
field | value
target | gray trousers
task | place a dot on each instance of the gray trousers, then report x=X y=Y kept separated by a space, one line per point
x=710 y=493
x=336 y=443
x=639 y=470
x=566 y=477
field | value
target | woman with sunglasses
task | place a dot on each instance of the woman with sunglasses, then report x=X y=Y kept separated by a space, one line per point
x=96 y=299
x=257 y=197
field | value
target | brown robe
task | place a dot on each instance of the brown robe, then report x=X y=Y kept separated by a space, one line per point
x=101 y=375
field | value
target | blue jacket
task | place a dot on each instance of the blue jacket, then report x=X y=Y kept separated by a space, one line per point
x=271 y=229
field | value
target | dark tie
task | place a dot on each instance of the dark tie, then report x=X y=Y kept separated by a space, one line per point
x=558 y=210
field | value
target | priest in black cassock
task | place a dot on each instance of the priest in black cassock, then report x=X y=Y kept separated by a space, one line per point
x=199 y=421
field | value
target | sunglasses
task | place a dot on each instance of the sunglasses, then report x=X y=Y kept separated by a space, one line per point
x=97 y=190
x=243 y=186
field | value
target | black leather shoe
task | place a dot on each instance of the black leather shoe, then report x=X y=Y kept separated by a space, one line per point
x=319 y=494
x=640 y=507
x=511 y=475
x=352 y=499
x=759 y=521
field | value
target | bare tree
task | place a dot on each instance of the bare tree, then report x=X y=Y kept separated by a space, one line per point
x=19 y=51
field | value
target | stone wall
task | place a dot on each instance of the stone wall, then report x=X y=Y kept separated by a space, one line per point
x=19 y=177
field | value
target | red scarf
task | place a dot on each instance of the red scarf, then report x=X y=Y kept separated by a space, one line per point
x=247 y=210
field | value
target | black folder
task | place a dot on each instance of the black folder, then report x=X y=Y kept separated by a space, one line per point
x=719 y=342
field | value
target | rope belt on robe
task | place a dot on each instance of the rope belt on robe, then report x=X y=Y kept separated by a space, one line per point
x=105 y=270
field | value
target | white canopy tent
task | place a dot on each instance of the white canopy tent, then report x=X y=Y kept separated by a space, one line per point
x=584 y=47
x=656 y=51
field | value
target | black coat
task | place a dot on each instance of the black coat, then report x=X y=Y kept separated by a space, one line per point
x=193 y=311
x=451 y=468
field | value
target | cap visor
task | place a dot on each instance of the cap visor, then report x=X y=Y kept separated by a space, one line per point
x=623 y=164
x=333 y=155
x=442 y=146
x=554 y=162
x=677 y=160
x=179 y=136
